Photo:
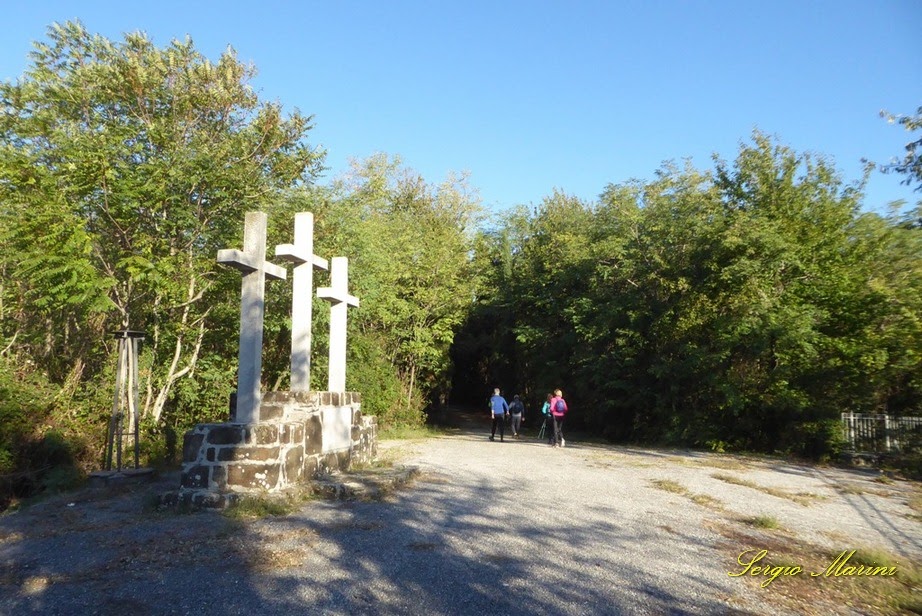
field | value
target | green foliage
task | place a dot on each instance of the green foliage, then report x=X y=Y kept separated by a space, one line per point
x=408 y=245
x=25 y=403
x=123 y=169
x=911 y=165
x=743 y=308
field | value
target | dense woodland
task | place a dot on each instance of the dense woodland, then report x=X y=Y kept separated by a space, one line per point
x=741 y=307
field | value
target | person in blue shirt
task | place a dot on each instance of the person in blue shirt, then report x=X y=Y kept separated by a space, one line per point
x=498 y=410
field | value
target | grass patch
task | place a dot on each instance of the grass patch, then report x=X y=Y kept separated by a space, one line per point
x=801 y=498
x=849 y=488
x=670 y=486
x=727 y=464
x=823 y=594
x=915 y=503
x=704 y=500
x=254 y=507
x=764 y=521
x=381 y=462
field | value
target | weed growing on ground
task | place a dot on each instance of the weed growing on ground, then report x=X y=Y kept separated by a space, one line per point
x=800 y=498
x=254 y=507
x=670 y=486
x=820 y=587
x=704 y=500
x=707 y=501
x=915 y=503
x=849 y=488
x=763 y=521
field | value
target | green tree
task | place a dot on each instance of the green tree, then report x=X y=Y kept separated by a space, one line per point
x=408 y=244
x=123 y=169
x=911 y=165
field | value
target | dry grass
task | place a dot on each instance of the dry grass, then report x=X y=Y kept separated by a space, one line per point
x=825 y=592
x=801 y=498
x=763 y=521
x=727 y=464
x=707 y=501
x=849 y=488
x=669 y=485
x=704 y=500
x=915 y=503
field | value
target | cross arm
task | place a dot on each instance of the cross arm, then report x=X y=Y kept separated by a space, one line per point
x=248 y=263
x=292 y=254
x=336 y=296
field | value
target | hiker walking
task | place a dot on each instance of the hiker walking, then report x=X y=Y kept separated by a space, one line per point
x=499 y=408
x=548 y=426
x=558 y=412
x=518 y=414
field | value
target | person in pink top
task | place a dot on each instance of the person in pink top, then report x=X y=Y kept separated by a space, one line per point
x=558 y=412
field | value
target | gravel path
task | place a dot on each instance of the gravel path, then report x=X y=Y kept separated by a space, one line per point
x=488 y=528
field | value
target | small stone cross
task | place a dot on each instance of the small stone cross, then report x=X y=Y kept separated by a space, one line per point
x=251 y=261
x=340 y=300
x=301 y=253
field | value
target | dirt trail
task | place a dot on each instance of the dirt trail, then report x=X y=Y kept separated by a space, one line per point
x=489 y=528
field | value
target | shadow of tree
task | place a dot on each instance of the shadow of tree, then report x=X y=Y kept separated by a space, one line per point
x=465 y=543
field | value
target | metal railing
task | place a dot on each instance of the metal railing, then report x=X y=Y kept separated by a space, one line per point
x=866 y=433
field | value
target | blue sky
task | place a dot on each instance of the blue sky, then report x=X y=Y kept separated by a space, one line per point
x=532 y=96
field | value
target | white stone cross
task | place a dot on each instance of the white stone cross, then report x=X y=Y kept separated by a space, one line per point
x=301 y=253
x=251 y=261
x=340 y=301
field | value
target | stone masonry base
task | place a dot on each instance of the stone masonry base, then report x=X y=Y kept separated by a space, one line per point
x=224 y=461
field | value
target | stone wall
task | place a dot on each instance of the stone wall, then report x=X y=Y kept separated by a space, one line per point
x=286 y=447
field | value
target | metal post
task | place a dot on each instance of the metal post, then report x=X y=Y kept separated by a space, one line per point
x=886 y=433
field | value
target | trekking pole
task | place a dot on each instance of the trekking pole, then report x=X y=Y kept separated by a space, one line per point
x=543 y=428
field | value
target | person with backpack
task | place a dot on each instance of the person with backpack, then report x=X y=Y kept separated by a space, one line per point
x=548 y=426
x=558 y=412
x=498 y=410
x=517 y=409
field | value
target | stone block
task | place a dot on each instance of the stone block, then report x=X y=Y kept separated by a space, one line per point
x=264 y=434
x=336 y=461
x=210 y=454
x=219 y=477
x=311 y=466
x=195 y=477
x=191 y=445
x=271 y=411
x=313 y=435
x=226 y=434
x=243 y=454
x=294 y=464
x=325 y=399
x=357 y=417
x=253 y=476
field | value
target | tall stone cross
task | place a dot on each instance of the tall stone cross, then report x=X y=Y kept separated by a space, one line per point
x=301 y=253
x=251 y=261
x=340 y=300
